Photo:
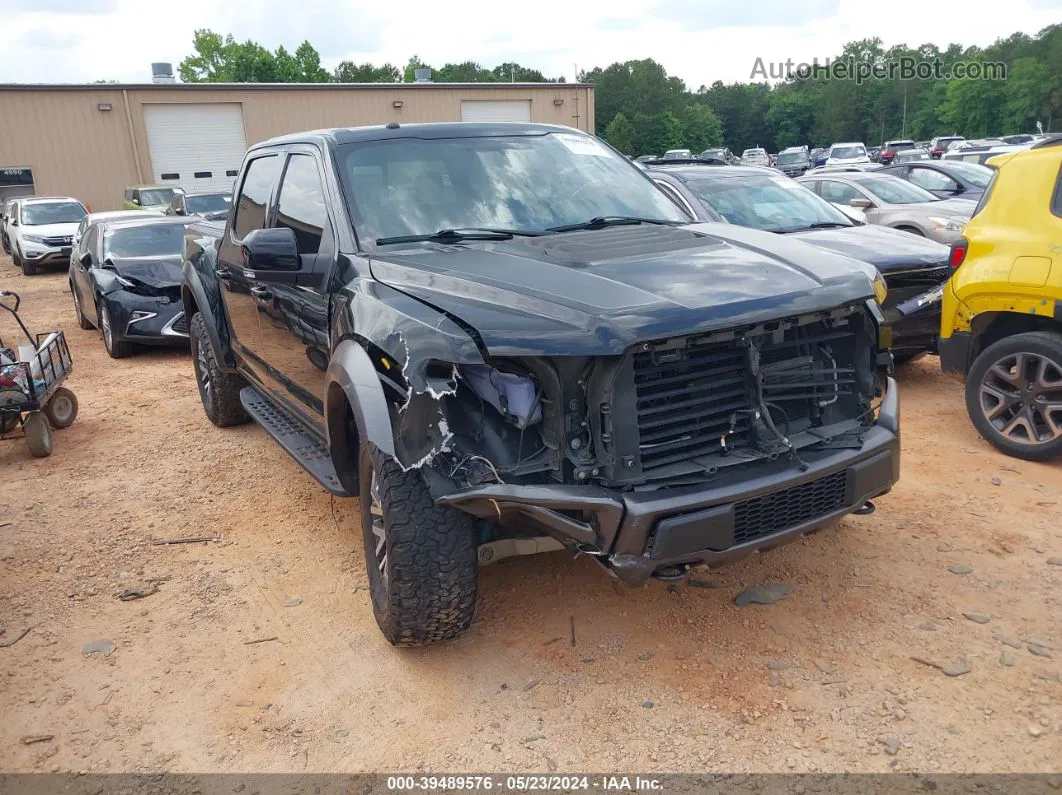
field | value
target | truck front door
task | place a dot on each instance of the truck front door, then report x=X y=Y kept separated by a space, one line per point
x=238 y=284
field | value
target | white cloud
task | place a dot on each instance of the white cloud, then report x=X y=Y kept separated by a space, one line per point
x=698 y=41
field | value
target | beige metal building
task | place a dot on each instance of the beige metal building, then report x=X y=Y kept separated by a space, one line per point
x=90 y=141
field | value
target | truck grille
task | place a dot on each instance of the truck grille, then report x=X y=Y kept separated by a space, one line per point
x=693 y=392
x=772 y=513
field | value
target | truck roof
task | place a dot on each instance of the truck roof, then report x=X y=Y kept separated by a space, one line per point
x=344 y=135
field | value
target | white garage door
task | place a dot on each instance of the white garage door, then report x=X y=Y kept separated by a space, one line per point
x=198 y=147
x=496 y=110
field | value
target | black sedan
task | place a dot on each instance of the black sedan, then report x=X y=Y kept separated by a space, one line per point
x=914 y=268
x=127 y=283
x=948 y=179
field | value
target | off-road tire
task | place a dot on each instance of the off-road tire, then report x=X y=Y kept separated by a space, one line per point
x=38 y=434
x=61 y=408
x=1042 y=343
x=82 y=321
x=8 y=421
x=219 y=391
x=432 y=571
x=116 y=349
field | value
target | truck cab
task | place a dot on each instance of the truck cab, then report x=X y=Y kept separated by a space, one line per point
x=504 y=339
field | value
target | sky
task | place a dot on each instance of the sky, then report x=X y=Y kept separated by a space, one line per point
x=700 y=41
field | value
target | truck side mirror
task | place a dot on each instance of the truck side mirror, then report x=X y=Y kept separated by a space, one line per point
x=270 y=250
x=136 y=201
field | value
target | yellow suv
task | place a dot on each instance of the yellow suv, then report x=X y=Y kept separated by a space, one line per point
x=1002 y=308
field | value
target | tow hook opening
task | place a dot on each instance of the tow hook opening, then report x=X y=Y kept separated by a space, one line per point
x=865 y=509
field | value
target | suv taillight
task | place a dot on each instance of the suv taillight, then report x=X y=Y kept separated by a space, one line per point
x=958 y=253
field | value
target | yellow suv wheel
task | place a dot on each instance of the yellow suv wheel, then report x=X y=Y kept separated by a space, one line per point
x=1014 y=395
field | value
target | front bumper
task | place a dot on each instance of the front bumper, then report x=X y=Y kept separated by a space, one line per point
x=42 y=255
x=147 y=320
x=955 y=352
x=636 y=534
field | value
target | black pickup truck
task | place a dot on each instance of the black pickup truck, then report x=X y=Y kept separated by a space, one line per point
x=503 y=338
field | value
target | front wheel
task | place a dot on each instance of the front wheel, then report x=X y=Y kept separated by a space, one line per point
x=38 y=434
x=421 y=558
x=1014 y=395
x=116 y=348
x=219 y=391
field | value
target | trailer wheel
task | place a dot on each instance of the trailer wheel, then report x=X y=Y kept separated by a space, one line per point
x=38 y=434
x=61 y=408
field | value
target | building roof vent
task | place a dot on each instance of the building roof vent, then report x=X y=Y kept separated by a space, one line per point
x=162 y=73
x=422 y=75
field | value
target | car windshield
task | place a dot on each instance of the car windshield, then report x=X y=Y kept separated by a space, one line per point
x=156 y=196
x=158 y=240
x=772 y=203
x=754 y=153
x=848 y=151
x=46 y=213
x=719 y=153
x=791 y=157
x=208 y=203
x=899 y=146
x=417 y=186
x=893 y=190
x=912 y=154
x=974 y=173
x=677 y=154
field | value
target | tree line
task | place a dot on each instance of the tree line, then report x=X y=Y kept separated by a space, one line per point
x=640 y=109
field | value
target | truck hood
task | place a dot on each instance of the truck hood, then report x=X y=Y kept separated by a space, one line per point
x=158 y=272
x=598 y=292
x=888 y=250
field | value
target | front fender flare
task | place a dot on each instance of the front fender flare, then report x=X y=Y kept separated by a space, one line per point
x=351 y=374
x=194 y=295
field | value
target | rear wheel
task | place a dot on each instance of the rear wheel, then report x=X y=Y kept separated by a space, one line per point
x=1014 y=395
x=116 y=348
x=61 y=408
x=38 y=434
x=420 y=558
x=8 y=421
x=219 y=391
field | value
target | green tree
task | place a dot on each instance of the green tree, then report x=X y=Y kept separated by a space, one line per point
x=220 y=59
x=701 y=126
x=409 y=74
x=466 y=72
x=350 y=72
x=1030 y=85
x=620 y=133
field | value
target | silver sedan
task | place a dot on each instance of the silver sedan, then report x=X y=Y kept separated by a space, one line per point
x=890 y=201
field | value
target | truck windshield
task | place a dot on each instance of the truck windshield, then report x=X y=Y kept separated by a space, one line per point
x=161 y=240
x=52 y=213
x=150 y=198
x=791 y=157
x=774 y=204
x=417 y=186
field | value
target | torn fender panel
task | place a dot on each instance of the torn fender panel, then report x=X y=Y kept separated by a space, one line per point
x=414 y=335
x=407 y=330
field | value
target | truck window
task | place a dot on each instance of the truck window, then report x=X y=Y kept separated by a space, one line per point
x=262 y=173
x=301 y=206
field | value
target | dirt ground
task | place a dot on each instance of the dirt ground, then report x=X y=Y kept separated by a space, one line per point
x=656 y=680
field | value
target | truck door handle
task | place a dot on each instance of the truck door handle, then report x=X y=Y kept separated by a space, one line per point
x=223 y=274
x=261 y=292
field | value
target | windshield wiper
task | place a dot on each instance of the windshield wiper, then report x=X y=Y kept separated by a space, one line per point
x=602 y=221
x=816 y=225
x=456 y=235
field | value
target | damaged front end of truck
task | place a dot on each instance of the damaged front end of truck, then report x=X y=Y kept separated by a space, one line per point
x=684 y=449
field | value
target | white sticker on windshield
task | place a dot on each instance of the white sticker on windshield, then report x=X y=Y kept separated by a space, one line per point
x=582 y=145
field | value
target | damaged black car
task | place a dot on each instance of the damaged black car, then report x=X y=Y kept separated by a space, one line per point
x=503 y=339
x=127 y=283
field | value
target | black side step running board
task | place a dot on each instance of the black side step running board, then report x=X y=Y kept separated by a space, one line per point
x=292 y=435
